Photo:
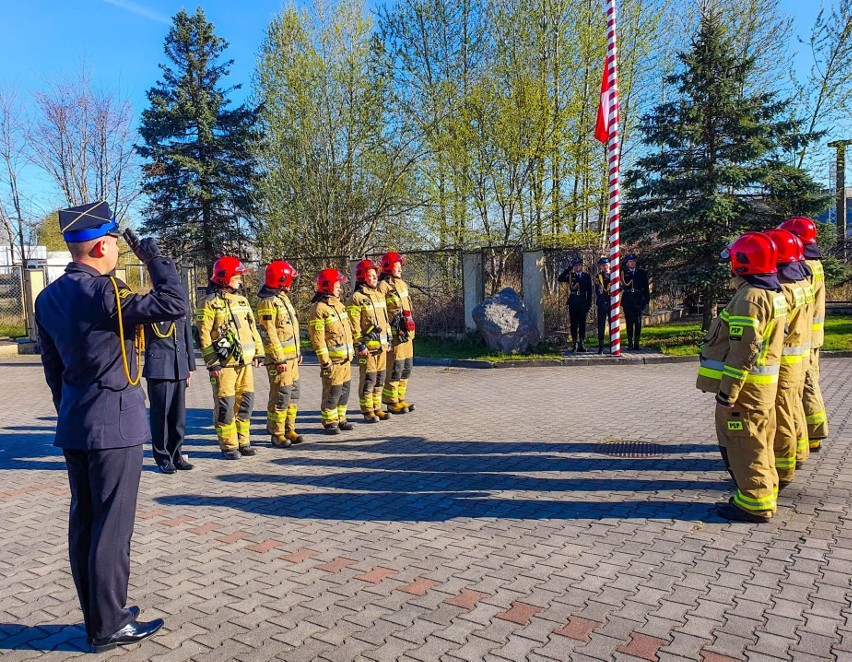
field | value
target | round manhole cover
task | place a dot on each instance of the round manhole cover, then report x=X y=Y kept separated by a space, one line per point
x=630 y=448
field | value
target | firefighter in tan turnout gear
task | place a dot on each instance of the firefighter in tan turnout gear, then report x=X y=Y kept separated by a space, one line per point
x=230 y=346
x=746 y=379
x=815 y=415
x=331 y=337
x=401 y=354
x=368 y=316
x=791 y=434
x=279 y=328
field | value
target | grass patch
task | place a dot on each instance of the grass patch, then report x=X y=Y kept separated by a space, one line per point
x=12 y=331
x=838 y=332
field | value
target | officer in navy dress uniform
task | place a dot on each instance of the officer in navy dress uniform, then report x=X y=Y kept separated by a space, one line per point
x=602 y=299
x=169 y=362
x=635 y=295
x=579 y=301
x=86 y=321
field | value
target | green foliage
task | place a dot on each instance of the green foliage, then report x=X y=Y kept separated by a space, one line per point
x=200 y=170
x=717 y=166
x=336 y=173
x=48 y=234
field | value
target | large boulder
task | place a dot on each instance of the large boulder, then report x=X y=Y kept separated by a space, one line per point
x=505 y=324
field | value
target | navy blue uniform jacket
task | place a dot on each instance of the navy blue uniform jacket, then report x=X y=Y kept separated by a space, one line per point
x=78 y=335
x=171 y=357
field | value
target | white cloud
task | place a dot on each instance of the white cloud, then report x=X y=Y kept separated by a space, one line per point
x=139 y=10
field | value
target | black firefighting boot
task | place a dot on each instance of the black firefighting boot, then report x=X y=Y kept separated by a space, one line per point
x=381 y=415
x=231 y=454
x=331 y=429
x=345 y=425
x=370 y=417
x=247 y=451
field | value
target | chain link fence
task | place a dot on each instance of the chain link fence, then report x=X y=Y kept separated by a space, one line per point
x=12 y=315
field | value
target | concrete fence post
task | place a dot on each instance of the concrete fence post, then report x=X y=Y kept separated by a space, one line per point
x=533 y=270
x=472 y=284
x=34 y=281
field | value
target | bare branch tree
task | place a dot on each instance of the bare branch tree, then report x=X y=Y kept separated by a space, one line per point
x=83 y=139
x=15 y=228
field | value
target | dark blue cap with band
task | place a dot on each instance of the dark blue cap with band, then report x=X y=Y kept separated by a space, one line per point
x=86 y=222
x=603 y=260
x=576 y=261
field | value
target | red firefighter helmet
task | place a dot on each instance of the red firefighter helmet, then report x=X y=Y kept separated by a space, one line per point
x=753 y=254
x=225 y=268
x=326 y=280
x=390 y=259
x=790 y=248
x=801 y=226
x=279 y=273
x=363 y=267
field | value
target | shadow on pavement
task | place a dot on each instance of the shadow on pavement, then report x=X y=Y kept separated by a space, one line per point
x=14 y=636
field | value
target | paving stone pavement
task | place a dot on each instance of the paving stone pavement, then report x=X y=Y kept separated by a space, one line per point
x=490 y=524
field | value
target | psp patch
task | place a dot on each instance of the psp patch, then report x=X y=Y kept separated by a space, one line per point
x=736 y=426
x=736 y=331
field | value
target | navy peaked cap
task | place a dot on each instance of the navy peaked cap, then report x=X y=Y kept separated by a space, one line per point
x=89 y=221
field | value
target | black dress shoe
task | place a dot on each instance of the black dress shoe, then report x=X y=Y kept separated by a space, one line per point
x=167 y=468
x=134 y=614
x=182 y=465
x=132 y=633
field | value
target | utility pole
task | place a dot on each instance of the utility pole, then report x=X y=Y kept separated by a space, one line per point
x=840 y=186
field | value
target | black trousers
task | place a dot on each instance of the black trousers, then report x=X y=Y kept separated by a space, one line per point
x=104 y=485
x=577 y=314
x=168 y=418
x=633 y=318
x=603 y=322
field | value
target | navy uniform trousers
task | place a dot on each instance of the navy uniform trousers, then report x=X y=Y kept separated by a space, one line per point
x=101 y=422
x=169 y=361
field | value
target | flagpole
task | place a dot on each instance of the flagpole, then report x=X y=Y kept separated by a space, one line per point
x=614 y=165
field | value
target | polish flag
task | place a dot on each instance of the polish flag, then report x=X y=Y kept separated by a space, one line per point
x=602 y=125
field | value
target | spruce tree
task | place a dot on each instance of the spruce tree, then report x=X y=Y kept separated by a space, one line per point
x=718 y=163
x=200 y=171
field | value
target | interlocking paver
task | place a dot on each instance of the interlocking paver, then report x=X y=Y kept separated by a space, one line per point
x=418 y=538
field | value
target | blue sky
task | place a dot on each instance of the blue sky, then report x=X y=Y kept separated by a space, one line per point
x=122 y=40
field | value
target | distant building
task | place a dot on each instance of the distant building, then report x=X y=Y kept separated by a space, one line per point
x=54 y=262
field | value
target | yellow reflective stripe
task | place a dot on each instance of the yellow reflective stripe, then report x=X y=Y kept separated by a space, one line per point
x=761 y=379
x=242 y=426
x=802 y=444
x=779 y=304
x=322 y=352
x=226 y=429
x=742 y=320
x=785 y=462
x=766 y=503
x=277 y=416
x=207 y=351
x=317 y=324
x=817 y=418
x=735 y=373
x=204 y=313
x=792 y=359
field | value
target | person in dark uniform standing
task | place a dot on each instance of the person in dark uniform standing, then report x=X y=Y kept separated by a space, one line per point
x=169 y=363
x=602 y=300
x=86 y=322
x=635 y=295
x=579 y=301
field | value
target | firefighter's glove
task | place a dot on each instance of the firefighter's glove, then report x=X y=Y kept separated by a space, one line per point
x=281 y=368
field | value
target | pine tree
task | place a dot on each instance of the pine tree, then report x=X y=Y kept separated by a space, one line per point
x=201 y=170
x=718 y=164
